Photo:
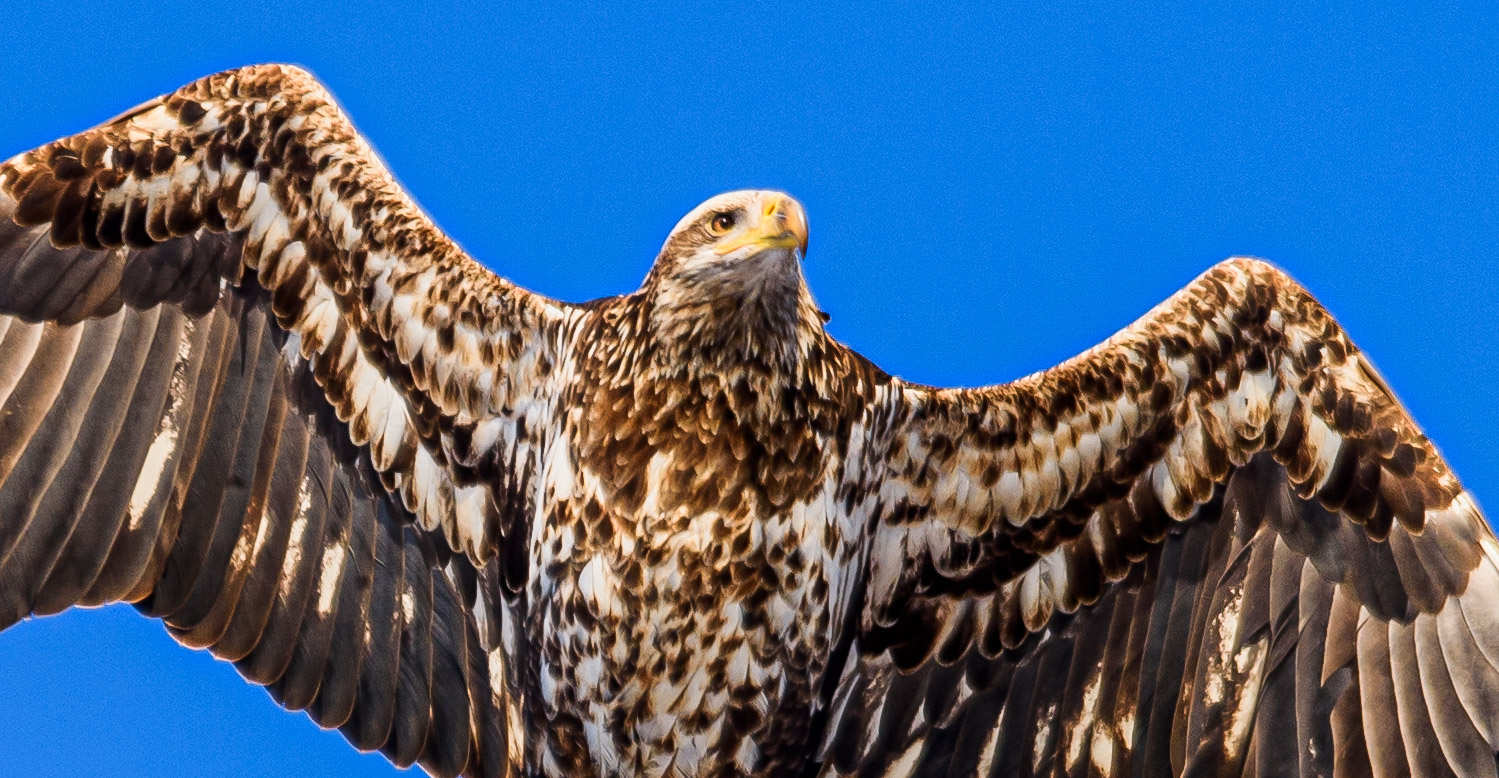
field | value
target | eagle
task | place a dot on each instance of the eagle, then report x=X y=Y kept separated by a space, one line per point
x=249 y=387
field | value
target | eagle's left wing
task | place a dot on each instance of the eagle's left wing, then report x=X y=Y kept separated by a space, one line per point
x=1215 y=543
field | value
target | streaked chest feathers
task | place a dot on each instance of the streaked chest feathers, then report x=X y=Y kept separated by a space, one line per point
x=687 y=557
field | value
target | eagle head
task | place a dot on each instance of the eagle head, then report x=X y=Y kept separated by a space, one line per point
x=736 y=244
x=728 y=283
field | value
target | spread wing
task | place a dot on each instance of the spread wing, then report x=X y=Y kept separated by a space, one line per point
x=248 y=386
x=1215 y=543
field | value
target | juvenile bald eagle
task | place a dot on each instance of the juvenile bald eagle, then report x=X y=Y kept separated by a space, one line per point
x=246 y=385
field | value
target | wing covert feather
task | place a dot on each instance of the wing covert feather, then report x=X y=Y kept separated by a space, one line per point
x=248 y=387
x=439 y=367
x=1216 y=543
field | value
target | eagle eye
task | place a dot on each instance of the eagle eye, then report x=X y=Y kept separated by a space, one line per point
x=721 y=223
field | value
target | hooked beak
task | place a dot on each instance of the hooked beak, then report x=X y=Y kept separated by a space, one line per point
x=782 y=224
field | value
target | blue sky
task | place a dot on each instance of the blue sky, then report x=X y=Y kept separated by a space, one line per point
x=989 y=191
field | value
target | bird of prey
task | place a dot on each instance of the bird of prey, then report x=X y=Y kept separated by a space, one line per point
x=246 y=385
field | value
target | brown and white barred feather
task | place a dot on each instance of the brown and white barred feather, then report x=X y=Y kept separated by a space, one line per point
x=436 y=364
x=1213 y=544
x=246 y=385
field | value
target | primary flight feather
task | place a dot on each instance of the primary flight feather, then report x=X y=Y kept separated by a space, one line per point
x=248 y=386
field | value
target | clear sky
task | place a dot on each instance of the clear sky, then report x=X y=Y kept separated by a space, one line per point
x=989 y=191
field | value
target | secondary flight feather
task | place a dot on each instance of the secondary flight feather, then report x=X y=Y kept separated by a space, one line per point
x=248 y=386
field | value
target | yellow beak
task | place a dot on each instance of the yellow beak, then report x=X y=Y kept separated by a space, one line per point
x=781 y=224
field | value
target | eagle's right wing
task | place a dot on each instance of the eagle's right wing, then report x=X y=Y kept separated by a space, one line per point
x=246 y=384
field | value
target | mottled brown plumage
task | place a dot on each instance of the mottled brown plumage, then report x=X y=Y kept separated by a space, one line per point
x=248 y=386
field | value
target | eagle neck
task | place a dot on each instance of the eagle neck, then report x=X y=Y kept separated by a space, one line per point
x=762 y=331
